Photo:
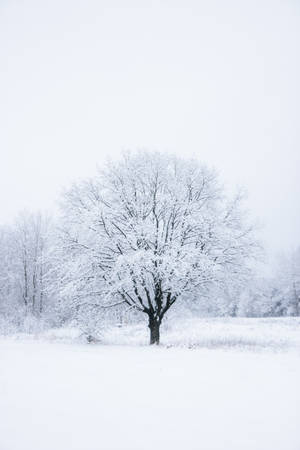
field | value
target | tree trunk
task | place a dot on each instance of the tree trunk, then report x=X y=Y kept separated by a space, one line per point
x=154 y=324
x=25 y=292
x=33 y=291
x=41 y=291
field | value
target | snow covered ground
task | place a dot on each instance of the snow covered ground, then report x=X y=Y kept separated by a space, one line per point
x=265 y=334
x=218 y=395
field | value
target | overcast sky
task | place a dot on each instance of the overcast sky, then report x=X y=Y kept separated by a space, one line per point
x=216 y=79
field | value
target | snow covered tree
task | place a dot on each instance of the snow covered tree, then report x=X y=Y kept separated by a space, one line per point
x=24 y=267
x=30 y=237
x=286 y=284
x=150 y=229
x=9 y=305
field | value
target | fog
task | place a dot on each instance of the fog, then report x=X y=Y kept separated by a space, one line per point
x=212 y=79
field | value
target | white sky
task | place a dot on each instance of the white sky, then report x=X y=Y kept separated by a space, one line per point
x=217 y=79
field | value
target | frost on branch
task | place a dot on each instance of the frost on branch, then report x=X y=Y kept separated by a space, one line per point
x=148 y=230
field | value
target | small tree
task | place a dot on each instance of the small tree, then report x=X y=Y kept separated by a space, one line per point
x=148 y=230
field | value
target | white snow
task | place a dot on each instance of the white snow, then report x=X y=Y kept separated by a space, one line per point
x=258 y=334
x=56 y=396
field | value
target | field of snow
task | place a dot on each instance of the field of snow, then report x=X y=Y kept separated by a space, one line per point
x=264 y=334
x=235 y=388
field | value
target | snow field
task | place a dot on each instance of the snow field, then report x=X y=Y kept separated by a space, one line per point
x=257 y=334
x=55 y=396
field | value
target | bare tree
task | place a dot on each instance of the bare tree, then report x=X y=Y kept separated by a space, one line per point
x=148 y=230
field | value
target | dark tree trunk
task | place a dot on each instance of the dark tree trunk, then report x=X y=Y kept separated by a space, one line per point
x=154 y=324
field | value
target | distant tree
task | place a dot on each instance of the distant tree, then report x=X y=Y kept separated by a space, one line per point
x=29 y=239
x=286 y=284
x=24 y=265
x=274 y=295
x=148 y=230
x=8 y=294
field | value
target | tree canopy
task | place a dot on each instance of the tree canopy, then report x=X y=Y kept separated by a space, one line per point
x=150 y=229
